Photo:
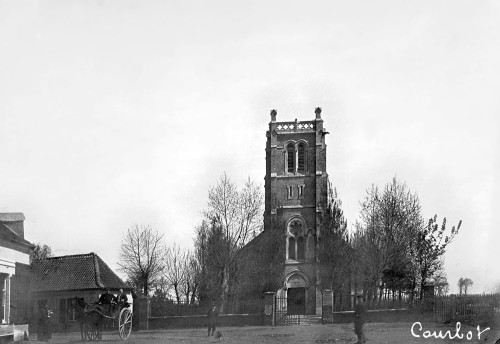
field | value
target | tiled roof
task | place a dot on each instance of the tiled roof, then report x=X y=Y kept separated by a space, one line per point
x=77 y=272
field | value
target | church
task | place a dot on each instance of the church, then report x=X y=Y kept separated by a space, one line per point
x=296 y=185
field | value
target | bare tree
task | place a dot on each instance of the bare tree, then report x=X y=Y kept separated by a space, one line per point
x=467 y=282
x=174 y=272
x=388 y=218
x=237 y=211
x=191 y=274
x=428 y=246
x=441 y=282
x=141 y=256
x=161 y=288
x=395 y=248
x=460 y=285
x=236 y=217
x=41 y=251
x=195 y=277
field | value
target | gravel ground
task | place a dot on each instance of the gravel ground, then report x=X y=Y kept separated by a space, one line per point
x=376 y=333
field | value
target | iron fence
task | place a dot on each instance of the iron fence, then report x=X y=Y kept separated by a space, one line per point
x=167 y=307
x=466 y=308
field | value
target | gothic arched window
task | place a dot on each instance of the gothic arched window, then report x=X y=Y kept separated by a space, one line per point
x=310 y=247
x=290 y=157
x=291 y=248
x=301 y=247
x=301 y=158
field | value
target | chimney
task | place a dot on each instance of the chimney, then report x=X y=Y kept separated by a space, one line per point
x=14 y=221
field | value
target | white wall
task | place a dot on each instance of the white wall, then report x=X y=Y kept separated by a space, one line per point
x=9 y=257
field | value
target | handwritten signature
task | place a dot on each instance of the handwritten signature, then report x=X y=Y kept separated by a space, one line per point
x=416 y=329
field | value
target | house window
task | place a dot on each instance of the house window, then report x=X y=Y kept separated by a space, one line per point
x=301 y=164
x=290 y=155
x=72 y=314
x=68 y=309
x=72 y=309
x=3 y=294
x=289 y=191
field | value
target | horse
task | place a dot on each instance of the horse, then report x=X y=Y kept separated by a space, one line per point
x=79 y=306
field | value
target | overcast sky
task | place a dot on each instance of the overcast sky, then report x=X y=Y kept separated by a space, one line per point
x=115 y=113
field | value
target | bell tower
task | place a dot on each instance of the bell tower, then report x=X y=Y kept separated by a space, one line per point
x=295 y=194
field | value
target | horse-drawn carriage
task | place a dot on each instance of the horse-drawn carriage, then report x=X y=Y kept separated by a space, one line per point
x=91 y=319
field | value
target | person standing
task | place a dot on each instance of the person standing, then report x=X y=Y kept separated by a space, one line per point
x=212 y=319
x=359 y=319
x=44 y=332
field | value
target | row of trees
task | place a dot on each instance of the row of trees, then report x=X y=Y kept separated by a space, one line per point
x=231 y=219
x=392 y=247
x=152 y=267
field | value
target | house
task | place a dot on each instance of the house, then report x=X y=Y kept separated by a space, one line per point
x=55 y=280
x=14 y=260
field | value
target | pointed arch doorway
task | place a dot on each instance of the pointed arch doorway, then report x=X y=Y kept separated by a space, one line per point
x=296 y=293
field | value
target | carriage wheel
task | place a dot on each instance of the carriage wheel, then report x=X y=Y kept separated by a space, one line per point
x=92 y=332
x=125 y=323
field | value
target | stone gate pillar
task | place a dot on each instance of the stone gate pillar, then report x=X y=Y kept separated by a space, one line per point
x=269 y=308
x=141 y=313
x=327 y=307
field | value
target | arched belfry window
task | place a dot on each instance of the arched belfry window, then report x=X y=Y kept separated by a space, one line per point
x=301 y=158
x=290 y=157
x=296 y=158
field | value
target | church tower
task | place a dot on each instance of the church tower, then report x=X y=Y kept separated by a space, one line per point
x=295 y=195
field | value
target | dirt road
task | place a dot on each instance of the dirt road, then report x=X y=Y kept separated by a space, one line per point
x=377 y=333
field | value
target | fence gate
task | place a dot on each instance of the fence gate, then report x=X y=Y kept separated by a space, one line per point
x=288 y=312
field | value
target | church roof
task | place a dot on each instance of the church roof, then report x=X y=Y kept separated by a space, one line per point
x=254 y=245
x=76 y=272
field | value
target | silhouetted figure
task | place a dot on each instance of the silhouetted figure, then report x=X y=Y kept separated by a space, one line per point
x=359 y=319
x=122 y=298
x=105 y=303
x=78 y=306
x=212 y=319
x=43 y=332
